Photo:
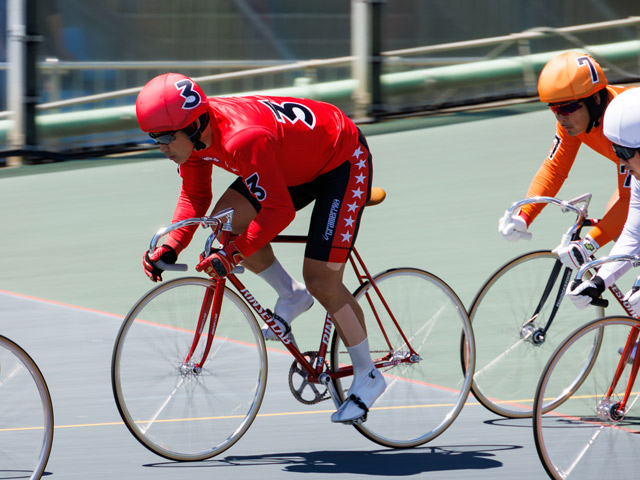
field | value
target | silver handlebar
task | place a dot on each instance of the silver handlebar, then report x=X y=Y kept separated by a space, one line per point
x=565 y=206
x=222 y=220
x=634 y=259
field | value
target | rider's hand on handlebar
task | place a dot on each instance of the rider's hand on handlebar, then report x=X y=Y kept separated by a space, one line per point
x=633 y=297
x=220 y=262
x=585 y=292
x=576 y=253
x=513 y=228
x=165 y=253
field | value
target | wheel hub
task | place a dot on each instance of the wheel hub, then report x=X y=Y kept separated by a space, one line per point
x=532 y=334
x=190 y=369
x=609 y=411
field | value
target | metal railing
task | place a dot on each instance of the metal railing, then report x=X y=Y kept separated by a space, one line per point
x=392 y=60
x=446 y=69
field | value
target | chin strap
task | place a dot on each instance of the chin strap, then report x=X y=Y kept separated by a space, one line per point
x=596 y=111
x=195 y=136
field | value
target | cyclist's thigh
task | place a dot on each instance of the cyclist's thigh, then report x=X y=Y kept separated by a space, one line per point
x=340 y=198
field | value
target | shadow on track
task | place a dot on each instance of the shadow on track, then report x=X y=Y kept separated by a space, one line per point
x=388 y=463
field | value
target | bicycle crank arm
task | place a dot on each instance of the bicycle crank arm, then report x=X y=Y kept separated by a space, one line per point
x=325 y=379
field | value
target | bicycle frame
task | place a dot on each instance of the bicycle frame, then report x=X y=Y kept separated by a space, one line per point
x=212 y=304
x=537 y=336
x=616 y=411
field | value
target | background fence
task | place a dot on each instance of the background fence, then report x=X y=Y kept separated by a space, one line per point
x=421 y=55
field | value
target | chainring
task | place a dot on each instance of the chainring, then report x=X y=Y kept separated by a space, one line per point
x=301 y=389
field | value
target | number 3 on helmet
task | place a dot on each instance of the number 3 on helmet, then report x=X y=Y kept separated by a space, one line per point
x=169 y=102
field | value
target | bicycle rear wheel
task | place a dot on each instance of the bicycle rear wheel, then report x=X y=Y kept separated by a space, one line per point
x=510 y=357
x=171 y=408
x=26 y=415
x=423 y=398
x=582 y=437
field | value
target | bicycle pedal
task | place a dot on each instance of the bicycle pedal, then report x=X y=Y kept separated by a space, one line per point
x=361 y=420
x=357 y=421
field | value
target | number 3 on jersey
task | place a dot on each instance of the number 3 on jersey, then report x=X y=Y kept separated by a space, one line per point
x=255 y=189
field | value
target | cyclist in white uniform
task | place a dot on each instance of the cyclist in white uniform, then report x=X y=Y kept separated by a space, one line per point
x=622 y=127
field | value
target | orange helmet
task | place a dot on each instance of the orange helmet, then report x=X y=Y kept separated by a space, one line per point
x=570 y=76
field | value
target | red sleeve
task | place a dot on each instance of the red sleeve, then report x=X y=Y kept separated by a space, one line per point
x=254 y=151
x=194 y=200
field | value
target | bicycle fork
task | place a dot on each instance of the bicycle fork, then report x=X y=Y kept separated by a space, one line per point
x=211 y=304
x=608 y=410
x=537 y=335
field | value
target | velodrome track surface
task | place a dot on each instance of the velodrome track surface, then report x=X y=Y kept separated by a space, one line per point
x=72 y=235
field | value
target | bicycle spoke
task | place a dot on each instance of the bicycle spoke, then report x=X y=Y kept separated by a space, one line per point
x=512 y=352
x=224 y=394
x=162 y=407
x=583 y=452
x=26 y=412
x=496 y=360
x=583 y=426
x=422 y=397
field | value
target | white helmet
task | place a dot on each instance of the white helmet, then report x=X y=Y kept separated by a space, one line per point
x=621 y=122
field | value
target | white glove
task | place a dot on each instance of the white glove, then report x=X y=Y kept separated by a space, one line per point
x=584 y=293
x=576 y=253
x=633 y=297
x=513 y=228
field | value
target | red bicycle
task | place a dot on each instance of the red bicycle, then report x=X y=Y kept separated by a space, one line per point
x=189 y=366
x=592 y=430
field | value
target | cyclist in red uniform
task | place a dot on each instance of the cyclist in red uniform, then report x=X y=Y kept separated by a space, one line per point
x=577 y=91
x=287 y=153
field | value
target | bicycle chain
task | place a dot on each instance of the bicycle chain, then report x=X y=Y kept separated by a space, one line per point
x=315 y=388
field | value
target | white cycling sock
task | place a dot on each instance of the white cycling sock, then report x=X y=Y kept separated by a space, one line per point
x=276 y=276
x=361 y=358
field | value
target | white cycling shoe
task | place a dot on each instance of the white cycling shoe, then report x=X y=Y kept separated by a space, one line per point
x=633 y=353
x=287 y=308
x=364 y=391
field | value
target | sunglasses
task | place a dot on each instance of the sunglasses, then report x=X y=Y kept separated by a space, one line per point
x=565 y=108
x=164 y=138
x=624 y=153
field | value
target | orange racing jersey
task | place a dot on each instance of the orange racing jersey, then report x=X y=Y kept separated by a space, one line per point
x=555 y=170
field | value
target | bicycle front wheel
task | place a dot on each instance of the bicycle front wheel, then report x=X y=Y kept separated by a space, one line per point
x=26 y=415
x=173 y=408
x=423 y=397
x=585 y=436
x=510 y=352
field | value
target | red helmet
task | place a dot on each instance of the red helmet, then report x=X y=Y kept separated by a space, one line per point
x=169 y=102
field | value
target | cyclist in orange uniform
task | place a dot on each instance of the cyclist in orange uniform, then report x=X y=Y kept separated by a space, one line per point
x=577 y=91
x=287 y=153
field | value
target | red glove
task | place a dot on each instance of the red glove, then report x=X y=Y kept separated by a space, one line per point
x=165 y=253
x=220 y=262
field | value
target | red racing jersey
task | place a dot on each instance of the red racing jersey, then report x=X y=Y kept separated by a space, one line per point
x=272 y=143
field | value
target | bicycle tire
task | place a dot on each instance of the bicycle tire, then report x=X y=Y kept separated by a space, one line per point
x=421 y=399
x=508 y=361
x=579 y=439
x=173 y=411
x=26 y=414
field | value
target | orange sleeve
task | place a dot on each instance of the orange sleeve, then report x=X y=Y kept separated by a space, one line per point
x=556 y=167
x=612 y=222
x=552 y=173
